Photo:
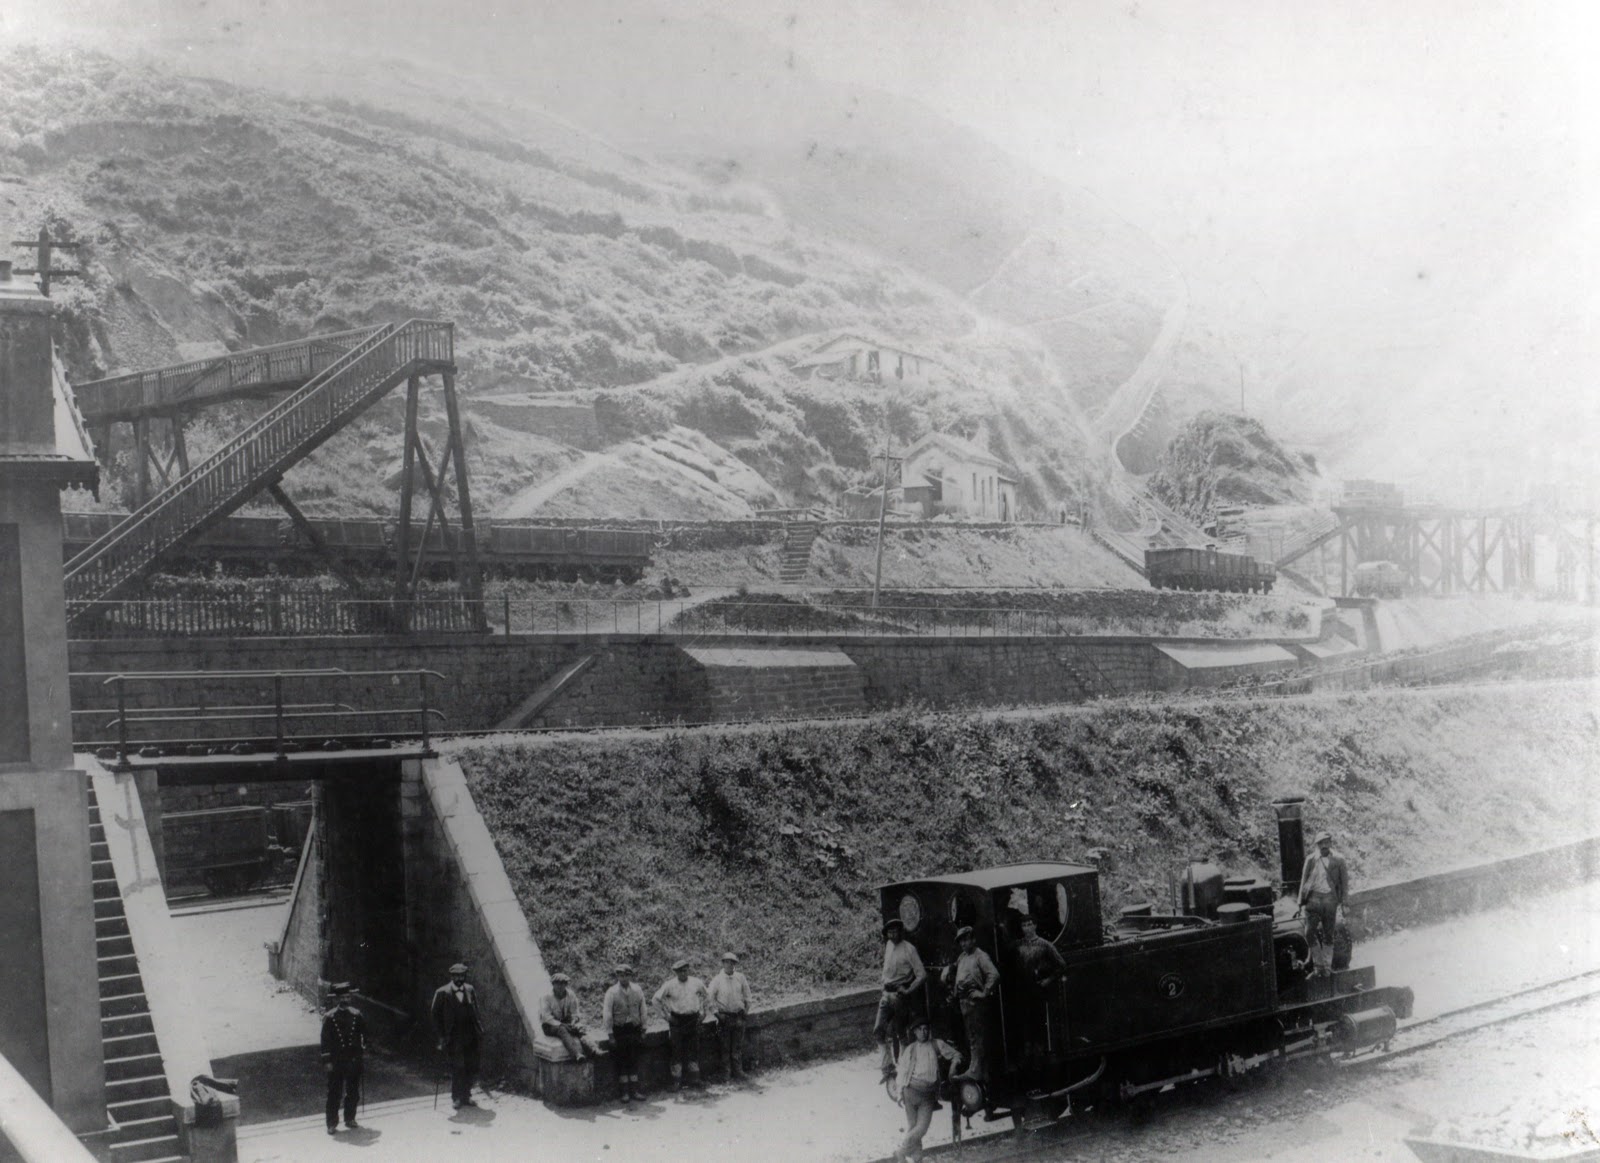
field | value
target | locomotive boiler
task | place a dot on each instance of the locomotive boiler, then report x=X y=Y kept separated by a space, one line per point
x=1216 y=985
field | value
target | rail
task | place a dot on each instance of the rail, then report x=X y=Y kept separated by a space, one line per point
x=259 y=454
x=185 y=385
x=29 y=1130
x=280 y=741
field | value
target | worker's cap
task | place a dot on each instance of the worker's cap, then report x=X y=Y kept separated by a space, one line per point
x=892 y=925
x=1321 y=836
x=919 y=1021
x=730 y=957
x=458 y=967
x=340 y=988
x=1028 y=919
x=623 y=968
x=964 y=931
x=681 y=963
x=559 y=979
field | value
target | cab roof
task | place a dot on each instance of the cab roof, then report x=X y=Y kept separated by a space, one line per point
x=1004 y=875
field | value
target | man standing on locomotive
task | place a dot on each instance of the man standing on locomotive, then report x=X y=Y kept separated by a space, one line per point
x=1039 y=966
x=974 y=978
x=903 y=976
x=1324 y=882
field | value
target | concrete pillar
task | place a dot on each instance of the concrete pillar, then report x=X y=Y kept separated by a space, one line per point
x=50 y=1028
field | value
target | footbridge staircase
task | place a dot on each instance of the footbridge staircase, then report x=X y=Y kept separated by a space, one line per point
x=338 y=377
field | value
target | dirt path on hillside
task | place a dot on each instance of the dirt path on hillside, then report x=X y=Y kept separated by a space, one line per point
x=530 y=500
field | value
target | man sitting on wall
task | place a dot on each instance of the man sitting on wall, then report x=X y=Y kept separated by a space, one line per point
x=558 y=1018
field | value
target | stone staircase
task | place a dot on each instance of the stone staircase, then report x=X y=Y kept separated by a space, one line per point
x=795 y=561
x=137 y=1097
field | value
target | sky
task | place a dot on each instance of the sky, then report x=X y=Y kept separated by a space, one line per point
x=1383 y=191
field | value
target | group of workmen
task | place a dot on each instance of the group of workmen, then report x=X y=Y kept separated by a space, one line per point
x=687 y=1002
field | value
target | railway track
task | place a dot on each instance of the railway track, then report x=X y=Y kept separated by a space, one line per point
x=996 y=1146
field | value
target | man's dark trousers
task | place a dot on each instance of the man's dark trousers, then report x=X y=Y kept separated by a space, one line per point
x=344 y=1080
x=463 y=1052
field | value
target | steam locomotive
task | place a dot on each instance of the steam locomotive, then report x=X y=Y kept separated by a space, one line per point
x=1218 y=987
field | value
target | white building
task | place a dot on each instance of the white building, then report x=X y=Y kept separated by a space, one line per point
x=945 y=474
x=850 y=357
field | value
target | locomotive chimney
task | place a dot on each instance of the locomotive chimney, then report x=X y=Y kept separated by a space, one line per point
x=1291 y=841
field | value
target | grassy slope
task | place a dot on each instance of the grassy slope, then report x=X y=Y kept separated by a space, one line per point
x=771 y=840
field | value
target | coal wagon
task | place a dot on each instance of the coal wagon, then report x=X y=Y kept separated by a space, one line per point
x=1208 y=569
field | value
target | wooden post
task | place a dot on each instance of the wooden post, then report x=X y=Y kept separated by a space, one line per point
x=472 y=583
x=141 y=444
x=402 y=533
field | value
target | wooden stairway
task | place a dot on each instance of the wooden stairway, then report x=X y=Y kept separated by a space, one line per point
x=138 y=1099
x=795 y=561
x=1325 y=529
x=258 y=457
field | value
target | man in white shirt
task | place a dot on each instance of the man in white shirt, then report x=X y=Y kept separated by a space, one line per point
x=729 y=995
x=903 y=976
x=682 y=998
x=917 y=1077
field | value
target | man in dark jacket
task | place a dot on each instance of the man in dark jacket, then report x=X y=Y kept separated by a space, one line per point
x=460 y=1031
x=344 y=1042
x=1324 y=883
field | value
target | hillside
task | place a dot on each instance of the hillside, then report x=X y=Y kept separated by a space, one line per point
x=216 y=218
x=772 y=840
x=1220 y=459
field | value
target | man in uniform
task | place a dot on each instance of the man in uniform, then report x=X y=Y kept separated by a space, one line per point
x=973 y=979
x=1324 y=883
x=344 y=1042
x=903 y=976
x=460 y=1032
x=729 y=994
x=558 y=1017
x=1039 y=966
x=682 y=998
x=622 y=1015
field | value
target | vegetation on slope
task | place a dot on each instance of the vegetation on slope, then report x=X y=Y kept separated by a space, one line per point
x=1222 y=459
x=217 y=218
x=772 y=841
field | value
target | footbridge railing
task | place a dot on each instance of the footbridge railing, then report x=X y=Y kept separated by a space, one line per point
x=261 y=370
x=259 y=455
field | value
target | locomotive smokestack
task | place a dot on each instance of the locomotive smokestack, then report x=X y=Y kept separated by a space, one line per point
x=1291 y=842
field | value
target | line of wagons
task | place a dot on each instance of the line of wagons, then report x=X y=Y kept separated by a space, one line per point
x=234 y=850
x=520 y=548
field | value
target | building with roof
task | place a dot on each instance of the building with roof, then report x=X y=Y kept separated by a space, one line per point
x=852 y=357
x=945 y=474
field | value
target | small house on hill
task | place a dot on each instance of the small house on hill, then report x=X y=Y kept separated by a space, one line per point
x=945 y=474
x=851 y=357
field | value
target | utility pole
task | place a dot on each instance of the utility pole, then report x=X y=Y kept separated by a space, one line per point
x=883 y=513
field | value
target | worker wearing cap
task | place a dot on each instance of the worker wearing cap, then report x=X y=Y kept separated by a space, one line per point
x=622 y=1016
x=917 y=1083
x=729 y=996
x=682 y=999
x=344 y=1044
x=1324 y=882
x=459 y=1029
x=559 y=1019
x=903 y=976
x=973 y=979
x=1040 y=967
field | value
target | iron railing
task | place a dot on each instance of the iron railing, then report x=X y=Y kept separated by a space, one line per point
x=164 y=389
x=150 y=729
x=259 y=454
x=319 y=615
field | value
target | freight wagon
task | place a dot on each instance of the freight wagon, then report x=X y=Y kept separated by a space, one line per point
x=1208 y=569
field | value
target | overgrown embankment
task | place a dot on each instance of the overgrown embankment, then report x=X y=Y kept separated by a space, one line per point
x=772 y=840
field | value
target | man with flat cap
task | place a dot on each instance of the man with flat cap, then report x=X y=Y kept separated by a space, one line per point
x=1324 y=883
x=459 y=1028
x=558 y=1018
x=903 y=976
x=682 y=998
x=622 y=1016
x=972 y=979
x=344 y=1043
x=729 y=995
